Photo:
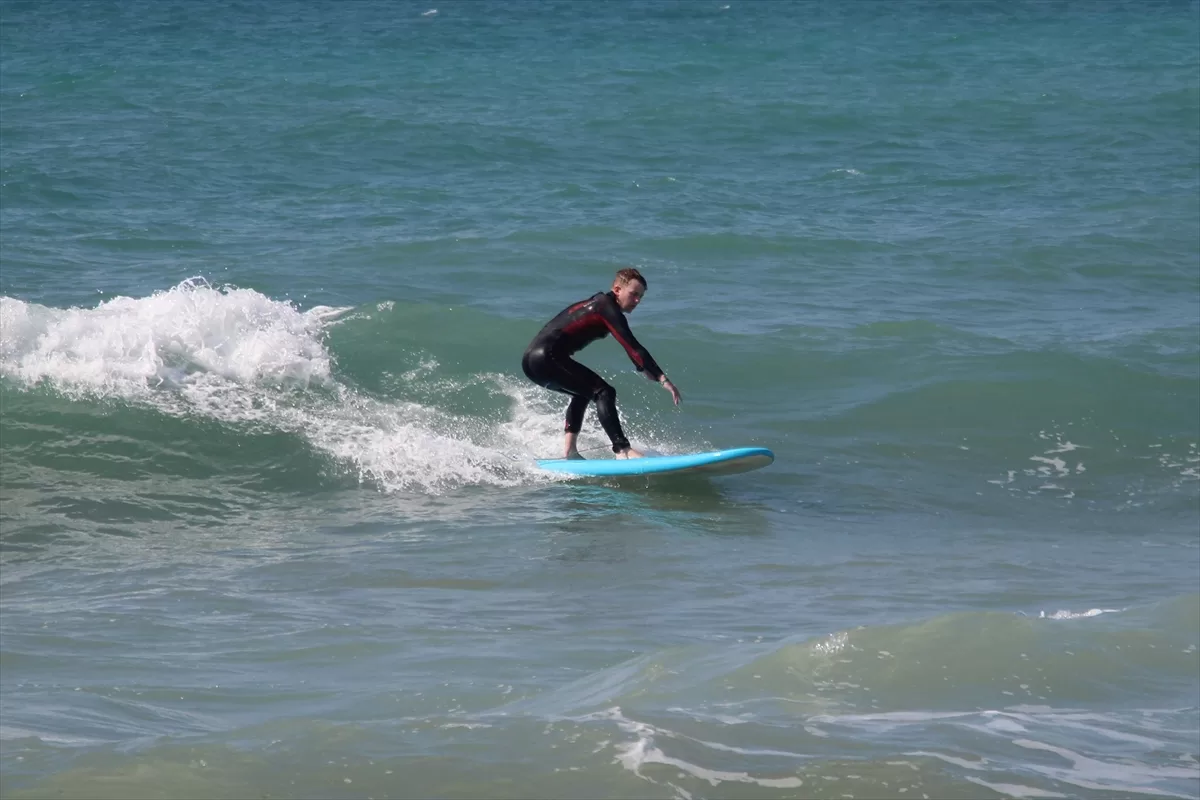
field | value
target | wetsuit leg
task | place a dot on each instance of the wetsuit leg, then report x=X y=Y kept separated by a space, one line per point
x=575 y=411
x=606 y=410
x=572 y=378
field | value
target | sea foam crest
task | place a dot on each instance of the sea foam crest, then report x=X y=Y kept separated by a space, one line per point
x=127 y=347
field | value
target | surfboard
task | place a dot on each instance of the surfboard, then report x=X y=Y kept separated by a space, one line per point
x=717 y=462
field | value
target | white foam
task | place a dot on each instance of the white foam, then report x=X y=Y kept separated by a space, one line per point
x=12 y=733
x=1014 y=789
x=1079 y=721
x=409 y=446
x=1091 y=773
x=642 y=750
x=981 y=764
x=1057 y=464
x=128 y=348
x=889 y=719
x=1091 y=612
x=1129 y=775
x=1004 y=724
x=832 y=644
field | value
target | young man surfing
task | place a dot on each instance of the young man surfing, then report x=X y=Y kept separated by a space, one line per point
x=548 y=361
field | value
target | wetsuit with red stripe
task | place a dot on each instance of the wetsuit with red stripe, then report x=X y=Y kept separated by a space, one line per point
x=548 y=361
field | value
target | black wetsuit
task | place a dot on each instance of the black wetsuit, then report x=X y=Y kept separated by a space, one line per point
x=548 y=360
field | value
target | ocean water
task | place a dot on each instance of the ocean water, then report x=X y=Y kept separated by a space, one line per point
x=269 y=520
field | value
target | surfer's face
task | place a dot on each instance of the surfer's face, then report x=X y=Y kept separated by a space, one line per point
x=628 y=294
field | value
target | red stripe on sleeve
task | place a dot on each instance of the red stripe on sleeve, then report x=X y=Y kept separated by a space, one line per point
x=633 y=354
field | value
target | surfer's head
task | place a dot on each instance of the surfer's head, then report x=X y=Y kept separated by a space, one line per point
x=629 y=287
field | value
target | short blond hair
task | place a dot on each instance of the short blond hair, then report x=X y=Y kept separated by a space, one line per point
x=630 y=274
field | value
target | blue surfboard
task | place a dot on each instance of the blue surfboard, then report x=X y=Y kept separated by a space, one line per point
x=717 y=462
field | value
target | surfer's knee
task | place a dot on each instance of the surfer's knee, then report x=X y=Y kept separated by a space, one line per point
x=605 y=395
x=606 y=404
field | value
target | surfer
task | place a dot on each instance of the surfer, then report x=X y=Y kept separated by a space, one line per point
x=548 y=361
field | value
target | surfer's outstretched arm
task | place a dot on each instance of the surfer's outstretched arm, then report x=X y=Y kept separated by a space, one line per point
x=639 y=355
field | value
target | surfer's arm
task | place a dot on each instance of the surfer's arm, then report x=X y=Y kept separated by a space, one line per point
x=619 y=328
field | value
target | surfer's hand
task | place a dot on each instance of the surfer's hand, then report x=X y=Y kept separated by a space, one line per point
x=670 y=387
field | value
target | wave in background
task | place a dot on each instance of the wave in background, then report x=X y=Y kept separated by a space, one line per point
x=957 y=705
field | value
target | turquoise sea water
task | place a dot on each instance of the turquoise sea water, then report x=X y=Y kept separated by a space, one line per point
x=269 y=520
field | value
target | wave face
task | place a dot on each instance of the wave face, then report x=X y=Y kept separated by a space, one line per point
x=203 y=361
x=270 y=521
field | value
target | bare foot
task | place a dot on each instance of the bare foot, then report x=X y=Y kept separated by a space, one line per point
x=630 y=453
x=573 y=455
